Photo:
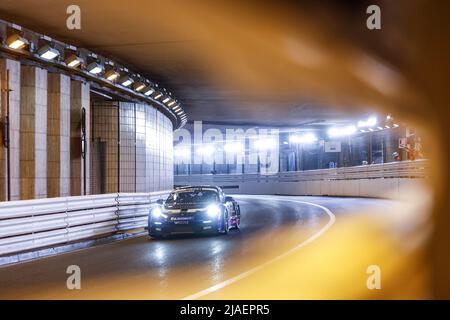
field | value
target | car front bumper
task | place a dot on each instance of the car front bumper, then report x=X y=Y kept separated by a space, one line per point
x=156 y=228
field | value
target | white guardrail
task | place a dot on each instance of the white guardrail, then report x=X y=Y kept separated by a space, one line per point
x=32 y=224
x=403 y=169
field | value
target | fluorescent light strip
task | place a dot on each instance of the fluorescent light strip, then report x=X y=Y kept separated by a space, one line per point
x=139 y=86
x=16 y=42
x=48 y=53
x=149 y=92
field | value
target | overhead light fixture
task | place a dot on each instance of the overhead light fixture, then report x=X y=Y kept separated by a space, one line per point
x=171 y=103
x=94 y=68
x=181 y=152
x=138 y=86
x=380 y=128
x=265 y=144
x=395 y=125
x=233 y=147
x=148 y=91
x=305 y=138
x=166 y=100
x=48 y=53
x=111 y=75
x=207 y=149
x=341 y=131
x=16 y=41
x=73 y=61
x=177 y=107
x=125 y=81
x=372 y=121
x=158 y=95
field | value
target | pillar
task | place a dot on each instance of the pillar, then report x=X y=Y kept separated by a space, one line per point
x=58 y=136
x=14 y=125
x=79 y=166
x=33 y=133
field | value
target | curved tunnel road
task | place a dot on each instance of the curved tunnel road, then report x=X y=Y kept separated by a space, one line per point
x=183 y=267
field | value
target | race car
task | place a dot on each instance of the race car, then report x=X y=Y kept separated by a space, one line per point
x=194 y=209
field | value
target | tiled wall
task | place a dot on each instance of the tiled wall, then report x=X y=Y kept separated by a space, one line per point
x=144 y=162
x=58 y=135
x=33 y=133
x=127 y=168
x=104 y=157
x=14 y=123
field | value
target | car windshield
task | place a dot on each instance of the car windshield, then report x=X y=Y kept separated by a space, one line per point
x=192 y=196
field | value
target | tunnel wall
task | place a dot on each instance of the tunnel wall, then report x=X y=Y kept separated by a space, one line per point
x=131 y=147
x=390 y=180
x=42 y=153
x=377 y=188
x=41 y=111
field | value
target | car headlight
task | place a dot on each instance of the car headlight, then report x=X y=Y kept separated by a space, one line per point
x=213 y=210
x=157 y=212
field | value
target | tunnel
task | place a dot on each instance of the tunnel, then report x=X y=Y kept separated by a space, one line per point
x=193 y=150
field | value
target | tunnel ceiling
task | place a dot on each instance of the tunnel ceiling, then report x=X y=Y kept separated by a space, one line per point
x=227 y=63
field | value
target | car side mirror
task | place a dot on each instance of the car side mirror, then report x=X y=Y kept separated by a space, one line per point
x=160 y=201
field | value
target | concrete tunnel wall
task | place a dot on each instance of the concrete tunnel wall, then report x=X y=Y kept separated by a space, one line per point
x=393 y=188
x=45 y=139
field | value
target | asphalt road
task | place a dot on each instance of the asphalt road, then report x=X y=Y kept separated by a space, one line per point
x=180 y=267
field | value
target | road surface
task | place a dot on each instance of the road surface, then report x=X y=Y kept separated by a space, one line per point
x=188 y=266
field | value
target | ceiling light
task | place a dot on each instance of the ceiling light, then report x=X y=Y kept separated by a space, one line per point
x=305 y=138
x=94 y=68
x=111 y=75
x=372 y=121
x=48 y=53
x=233 y=147
x=341 y=131
x=158 y=95
x=206 y=149
x=166 y=100
x=138 y=86
x=265 y=144
x=171 y=103
x=73 y=61
x=395 y=125
x=148 y=91
x=15 y=41
x=182 y=152
x=126 y=81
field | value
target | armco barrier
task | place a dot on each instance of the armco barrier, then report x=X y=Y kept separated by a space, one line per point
x=375 y=180
x=31 y=224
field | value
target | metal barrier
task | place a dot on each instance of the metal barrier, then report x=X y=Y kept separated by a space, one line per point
x=31 y=224
x=403 y=169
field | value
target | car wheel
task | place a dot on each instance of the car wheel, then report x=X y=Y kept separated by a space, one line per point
x=226 y=224
x=238 y=222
